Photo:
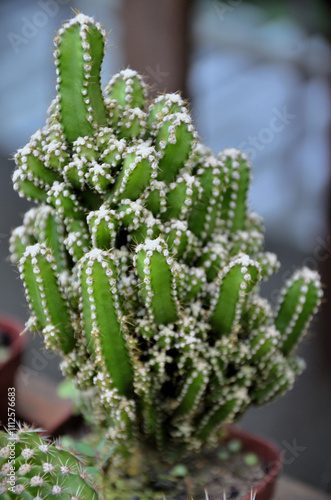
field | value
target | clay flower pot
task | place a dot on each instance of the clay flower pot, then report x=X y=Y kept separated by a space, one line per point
x=270 y=456
x=11 y=329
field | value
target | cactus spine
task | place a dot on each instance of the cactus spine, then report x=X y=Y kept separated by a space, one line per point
x=34 y=468
x=142 y=260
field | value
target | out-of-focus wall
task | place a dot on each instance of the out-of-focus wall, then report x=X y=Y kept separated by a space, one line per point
x=262 y=84
x=28 y=72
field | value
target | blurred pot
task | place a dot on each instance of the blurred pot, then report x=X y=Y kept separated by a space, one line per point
x=10 y=331
x=269 y=454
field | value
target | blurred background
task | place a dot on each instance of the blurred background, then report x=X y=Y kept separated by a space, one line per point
x=258 y=78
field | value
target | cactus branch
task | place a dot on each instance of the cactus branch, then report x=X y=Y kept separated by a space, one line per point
x=78 y=55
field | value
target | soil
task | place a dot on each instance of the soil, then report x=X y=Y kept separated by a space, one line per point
x=219 y=471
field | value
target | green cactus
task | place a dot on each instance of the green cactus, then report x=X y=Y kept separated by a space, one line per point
x=142 y=260
x=34 y=468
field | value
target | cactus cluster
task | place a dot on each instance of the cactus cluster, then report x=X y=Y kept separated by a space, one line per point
x=33 y=468
x=142 y=260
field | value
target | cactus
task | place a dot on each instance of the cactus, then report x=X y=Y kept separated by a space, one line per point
x=32 y=467
x=142 y=260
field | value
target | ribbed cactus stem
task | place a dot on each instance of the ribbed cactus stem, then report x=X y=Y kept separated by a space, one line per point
x=278 y=377
x=113 y=154
x=269 y=264
x=158 y=286
x=163 y=106
x=41 y=469
x=63 y=198
x=212 y=176
x=249 y=241
x=78 y=56
x=50 y=230
x=132 y=124
x=155 y=197
x=127 y=88
x=192 y=390
x=139 y=168
x=300 y=300
x=177 y=237
x=190 y=281
x=104 y=325
x=103 y=225
x=235 y=283
x=234 y=204
x=258 y=314
x=264 y=343
x=223 y=411
x=19 y=240
x=174 y=139
x=182 y=195
x=214 y=256
x=32 y=178
x=54 y=146
x=46 y=297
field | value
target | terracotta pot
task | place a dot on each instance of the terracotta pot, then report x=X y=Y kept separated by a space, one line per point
x=268 y=453
x=8 y=369
x=37 y=403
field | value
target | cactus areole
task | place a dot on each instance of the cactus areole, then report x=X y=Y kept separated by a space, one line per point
x=142 y=261
x=34 y=468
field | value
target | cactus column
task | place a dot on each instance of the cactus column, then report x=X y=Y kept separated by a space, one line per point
x=142 y=261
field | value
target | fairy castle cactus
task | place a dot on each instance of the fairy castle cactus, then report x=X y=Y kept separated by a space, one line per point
x=34 y=468
x=142 y=261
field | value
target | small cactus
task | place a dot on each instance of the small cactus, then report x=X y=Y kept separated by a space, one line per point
x=32 y=467
x=142 y=261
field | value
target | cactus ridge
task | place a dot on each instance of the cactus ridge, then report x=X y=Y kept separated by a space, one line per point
x=41 y=469
x=78 y=57
x=142 y=259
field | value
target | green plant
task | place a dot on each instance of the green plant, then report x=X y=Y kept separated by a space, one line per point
x=32 y=467
x=142 y=261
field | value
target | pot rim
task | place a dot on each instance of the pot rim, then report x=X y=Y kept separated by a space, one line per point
x=265 y=449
